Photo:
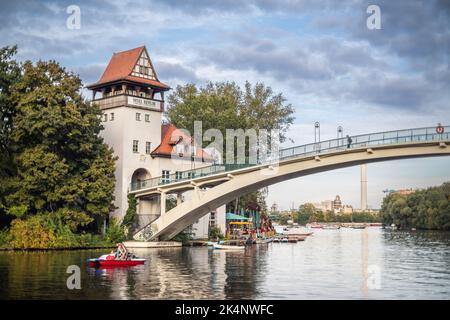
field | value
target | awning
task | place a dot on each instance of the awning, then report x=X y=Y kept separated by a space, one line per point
x=232 y=216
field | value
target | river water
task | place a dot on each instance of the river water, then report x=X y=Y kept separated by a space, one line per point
x=331 y=264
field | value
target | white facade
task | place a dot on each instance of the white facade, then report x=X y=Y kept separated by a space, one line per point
x=123 y=131
x=132 y=101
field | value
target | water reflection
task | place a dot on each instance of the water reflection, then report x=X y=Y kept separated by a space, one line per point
x=331 y=264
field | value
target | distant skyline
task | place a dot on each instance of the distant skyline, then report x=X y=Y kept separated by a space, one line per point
x=319 y=54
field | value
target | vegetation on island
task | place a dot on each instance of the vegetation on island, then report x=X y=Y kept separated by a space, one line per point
x=308 y=213
x=57 y=174
x=423 y=209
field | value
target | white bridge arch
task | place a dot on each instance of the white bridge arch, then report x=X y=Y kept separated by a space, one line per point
x=225 y=183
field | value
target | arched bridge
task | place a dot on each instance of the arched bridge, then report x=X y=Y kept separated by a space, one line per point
x=217 y=185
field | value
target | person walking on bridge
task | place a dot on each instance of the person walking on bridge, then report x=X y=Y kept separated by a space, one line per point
x=349 y=141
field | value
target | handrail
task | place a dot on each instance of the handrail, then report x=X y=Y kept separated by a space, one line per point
x=341 y=144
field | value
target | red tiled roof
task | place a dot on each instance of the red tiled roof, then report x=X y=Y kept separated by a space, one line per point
x=169 y=132
x=120 y=67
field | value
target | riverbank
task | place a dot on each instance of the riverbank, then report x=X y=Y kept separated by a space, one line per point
x=58 y=249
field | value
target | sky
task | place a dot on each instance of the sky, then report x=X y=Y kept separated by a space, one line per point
x=319 y=54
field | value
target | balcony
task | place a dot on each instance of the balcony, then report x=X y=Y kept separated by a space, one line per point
x=122 y=100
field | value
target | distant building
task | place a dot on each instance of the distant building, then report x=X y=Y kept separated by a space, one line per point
x=324 y=206
x=274 y=208
x=337 y=203
x=347 y=209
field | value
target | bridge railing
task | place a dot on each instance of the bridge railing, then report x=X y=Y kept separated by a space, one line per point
x=311 y=149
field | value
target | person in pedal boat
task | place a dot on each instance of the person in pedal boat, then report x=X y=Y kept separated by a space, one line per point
x=122 y=252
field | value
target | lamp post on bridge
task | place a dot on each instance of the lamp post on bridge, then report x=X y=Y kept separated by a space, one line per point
x=340 y=135
x=316 y=131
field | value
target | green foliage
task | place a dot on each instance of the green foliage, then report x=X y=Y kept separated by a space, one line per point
x=184 y=236
x=307 y=213
x=131 y=213
x=171 y=202
x=215 y=233
x=5 y=238
x=9 y=76
x=17 y=211
x=224 y=105
x=62 y=168
x=423 y=209
x=115 y=232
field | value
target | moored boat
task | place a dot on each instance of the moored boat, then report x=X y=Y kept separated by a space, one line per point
x=228 y=247
x=331 y=227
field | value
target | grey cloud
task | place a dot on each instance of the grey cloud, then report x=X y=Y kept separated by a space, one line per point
x=176 y=71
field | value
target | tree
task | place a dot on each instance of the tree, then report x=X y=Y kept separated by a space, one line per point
x=424 y=209
x=224 y=105
x=9 y=76
x=63 y=168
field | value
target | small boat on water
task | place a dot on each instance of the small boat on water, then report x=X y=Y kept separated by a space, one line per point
x=262 y=240
x=314 y=226
x=276 y=240
x=228 y=247
x=109 y=260
x=358 y=227
x=121 y=258
x=285 y=240
x=331 y=227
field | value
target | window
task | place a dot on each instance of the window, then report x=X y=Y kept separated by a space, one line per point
x=138 y=117
x=147 y=118
x=178 y=175
x=165 y=177
x=191 y=175
x=111 y=116
x=148 y=147
x=135 y=146
x=105 y=117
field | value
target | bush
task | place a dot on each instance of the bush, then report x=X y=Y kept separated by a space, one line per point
x=33 y=233
x=115 y=232
x=4 y=238
x=215 y=233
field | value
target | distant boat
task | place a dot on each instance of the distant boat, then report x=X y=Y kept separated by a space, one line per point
x=228 y=247
x=284 y=240
x=358 y=227
x=263 y=241
x=316 y=226
x=331 y=227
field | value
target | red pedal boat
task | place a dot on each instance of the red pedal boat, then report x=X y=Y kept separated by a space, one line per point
x=109 y=260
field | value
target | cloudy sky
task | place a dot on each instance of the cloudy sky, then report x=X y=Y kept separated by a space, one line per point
x=319 y=54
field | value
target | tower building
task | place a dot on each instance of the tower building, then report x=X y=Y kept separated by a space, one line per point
x=131 y=98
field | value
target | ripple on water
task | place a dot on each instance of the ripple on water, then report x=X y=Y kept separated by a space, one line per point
x=331 y=264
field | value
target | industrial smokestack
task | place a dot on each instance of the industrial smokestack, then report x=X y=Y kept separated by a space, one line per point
x=363 y=187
